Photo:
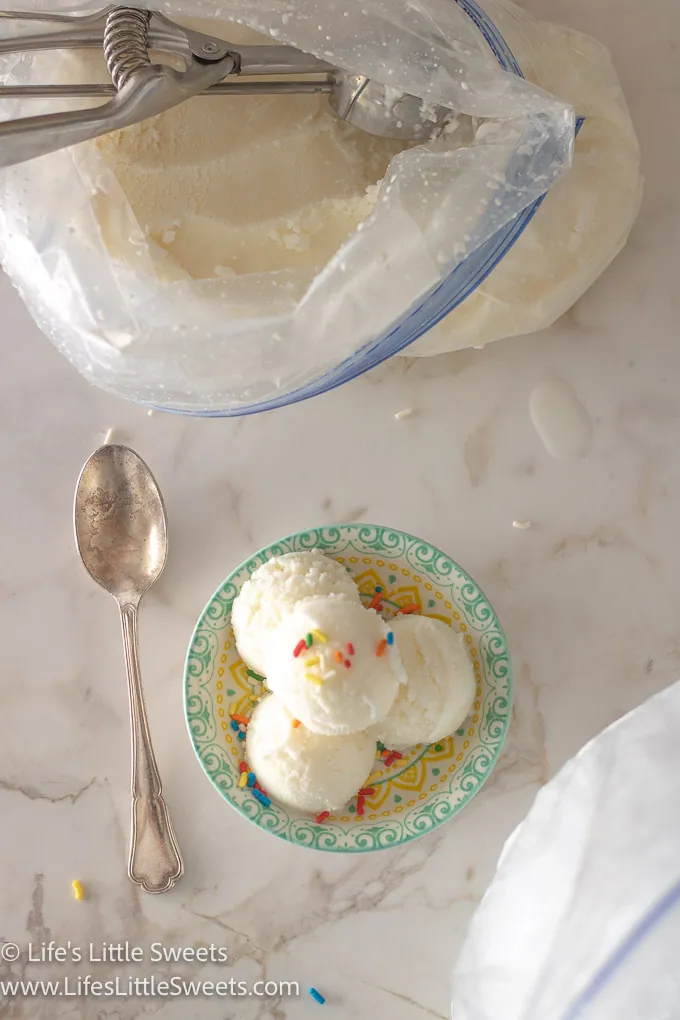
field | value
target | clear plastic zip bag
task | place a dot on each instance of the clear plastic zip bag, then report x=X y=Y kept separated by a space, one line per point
x=444 y=213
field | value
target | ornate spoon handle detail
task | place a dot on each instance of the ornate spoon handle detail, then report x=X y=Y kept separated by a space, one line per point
x=155 y=859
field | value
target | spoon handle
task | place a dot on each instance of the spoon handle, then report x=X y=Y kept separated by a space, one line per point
x=155 y=859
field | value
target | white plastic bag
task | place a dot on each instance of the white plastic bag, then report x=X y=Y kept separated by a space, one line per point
x=243 y=343
x=582 y=920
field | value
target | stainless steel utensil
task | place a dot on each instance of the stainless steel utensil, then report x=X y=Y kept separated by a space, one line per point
x=121 y=535
x=141 y=89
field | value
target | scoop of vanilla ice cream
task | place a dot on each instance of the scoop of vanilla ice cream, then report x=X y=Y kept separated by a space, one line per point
x=303 y=769
x=348 y=678
x=274 y=590
x=441 y=683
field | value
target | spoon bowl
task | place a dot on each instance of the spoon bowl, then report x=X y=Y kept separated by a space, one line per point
x=120 y=523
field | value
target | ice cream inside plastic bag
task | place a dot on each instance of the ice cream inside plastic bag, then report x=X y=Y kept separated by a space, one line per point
x=228 y=342
x=582 y=919
x=224 y=187
x=340 y=295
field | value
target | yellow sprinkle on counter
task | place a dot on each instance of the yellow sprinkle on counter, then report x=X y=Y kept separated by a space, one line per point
x=78 y=891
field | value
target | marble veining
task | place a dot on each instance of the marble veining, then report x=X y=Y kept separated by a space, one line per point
x=588 y=597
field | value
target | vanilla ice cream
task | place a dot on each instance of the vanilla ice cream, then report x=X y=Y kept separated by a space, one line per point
x=332 y=664
x=274 y=590
x=303 y=769
x=238 y=185
x=441 y=683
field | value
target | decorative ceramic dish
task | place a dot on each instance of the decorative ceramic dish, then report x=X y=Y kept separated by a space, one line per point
x=429 y=784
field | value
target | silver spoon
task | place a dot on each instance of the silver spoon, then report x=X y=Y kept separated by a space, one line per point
x=122 y=538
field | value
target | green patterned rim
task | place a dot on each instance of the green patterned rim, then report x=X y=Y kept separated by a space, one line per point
x=430 y=784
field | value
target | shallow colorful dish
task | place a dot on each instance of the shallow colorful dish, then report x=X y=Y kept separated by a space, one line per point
x=430 y=784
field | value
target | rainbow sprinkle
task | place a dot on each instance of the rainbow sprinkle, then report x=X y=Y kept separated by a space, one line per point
x=350 y=648
x=320 y=636
x=313 y=661
x=299 y=648
x=390 y=638
x=249 y=779
x=339 y=657
x=317 y=996
x=406 y=609
x=78 y=891
x=314 y=679
x=296 y=723
x=322 y=817
x=382 y=646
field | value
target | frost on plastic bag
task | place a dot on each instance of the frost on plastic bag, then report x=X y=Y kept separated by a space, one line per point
x=218 y=344
x=582 y=920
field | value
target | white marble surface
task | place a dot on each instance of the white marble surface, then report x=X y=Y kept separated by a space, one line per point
x=589 y=598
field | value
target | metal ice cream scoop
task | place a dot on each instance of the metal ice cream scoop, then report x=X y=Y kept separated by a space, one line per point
x=140 y=89
x=122 y=539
